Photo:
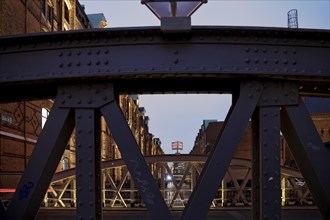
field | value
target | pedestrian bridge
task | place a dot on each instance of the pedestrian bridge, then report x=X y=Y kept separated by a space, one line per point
x=267 y=71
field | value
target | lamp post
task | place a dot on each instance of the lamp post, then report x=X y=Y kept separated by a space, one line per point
x=174 y=15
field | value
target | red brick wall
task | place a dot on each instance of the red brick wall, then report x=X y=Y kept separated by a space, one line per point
x=18 y=17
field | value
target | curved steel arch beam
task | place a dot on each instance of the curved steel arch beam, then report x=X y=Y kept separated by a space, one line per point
x=143 y=54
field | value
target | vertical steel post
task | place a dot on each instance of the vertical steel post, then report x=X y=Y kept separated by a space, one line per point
x=267 y=179
x=88 y=168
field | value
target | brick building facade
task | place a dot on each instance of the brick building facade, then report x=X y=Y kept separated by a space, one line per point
x=21 y=122
x=207 y=136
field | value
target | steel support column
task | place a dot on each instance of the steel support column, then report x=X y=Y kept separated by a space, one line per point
x=223 y=151
x=42 y=164
x=266 y=164
x=88 y=168
x=135 y=162
x=309 y=152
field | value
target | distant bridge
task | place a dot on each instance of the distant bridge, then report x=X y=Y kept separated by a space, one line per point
x=267 y=71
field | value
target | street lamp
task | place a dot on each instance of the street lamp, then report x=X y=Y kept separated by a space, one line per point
x=174 y=15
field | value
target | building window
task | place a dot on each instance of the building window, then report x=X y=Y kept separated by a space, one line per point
x=43 y=7
x=7 y=119
x=65 y=163
x=50 y=11
x=44 y=115
x=66 y=13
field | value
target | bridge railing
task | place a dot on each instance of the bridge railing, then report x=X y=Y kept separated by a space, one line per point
x=176 y=187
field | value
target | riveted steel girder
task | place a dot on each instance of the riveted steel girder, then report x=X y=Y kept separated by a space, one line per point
x=146 y=53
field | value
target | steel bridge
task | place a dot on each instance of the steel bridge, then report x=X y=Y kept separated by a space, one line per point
x=267 y=71
x=176 y=187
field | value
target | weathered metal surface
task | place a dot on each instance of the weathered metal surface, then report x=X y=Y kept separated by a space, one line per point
x=145 y=53
x=283 y=64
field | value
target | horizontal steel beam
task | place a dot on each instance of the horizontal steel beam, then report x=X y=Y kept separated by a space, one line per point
x=225 y=53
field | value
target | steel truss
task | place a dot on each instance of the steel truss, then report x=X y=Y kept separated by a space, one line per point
x=175 y=195
x=266 y=70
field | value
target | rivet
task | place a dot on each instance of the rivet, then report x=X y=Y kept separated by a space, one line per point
x=247 y=60
x=61 y=54
x=256 y=50
x=247 y=49
x=80 y=189
x=69 y=64
x=97 y=63
x=62 y=101
x=106 y=62
x=106 y=51
x=294 y=62
x=78 y=53
x=250 y=96
x=69 y=54
x=285 y=51
x=89 y=63
x=90 y=174
x=78 y=64
x=276 y=61
x=275 y=99
x=61 y=65
x=264 y=61
x=285 y=61
x=256 y=61
x=98 y=52
x=89 y=52
x=176 y=61
x=90 y=203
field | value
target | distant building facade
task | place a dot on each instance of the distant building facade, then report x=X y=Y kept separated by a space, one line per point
x=22 y=122
x=206 y=139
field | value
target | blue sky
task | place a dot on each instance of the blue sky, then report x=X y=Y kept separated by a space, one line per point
x=179 y=117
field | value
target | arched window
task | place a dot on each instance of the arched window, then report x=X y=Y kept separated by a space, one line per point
x=44 y=114
x=65 y=163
